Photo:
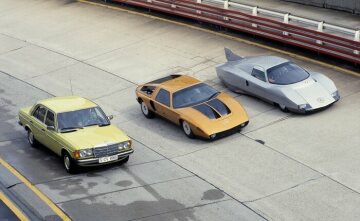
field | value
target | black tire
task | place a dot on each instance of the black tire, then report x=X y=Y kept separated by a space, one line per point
x=187 y=129
x=69 y=163
x=31 y=139
x=146 y=111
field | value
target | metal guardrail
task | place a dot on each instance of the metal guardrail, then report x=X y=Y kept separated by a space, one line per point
x=314 y=35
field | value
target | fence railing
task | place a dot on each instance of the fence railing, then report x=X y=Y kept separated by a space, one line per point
x=314 y=35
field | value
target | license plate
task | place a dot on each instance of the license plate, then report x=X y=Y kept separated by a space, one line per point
x=107 y=159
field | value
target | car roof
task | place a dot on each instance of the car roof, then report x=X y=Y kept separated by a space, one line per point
x=68 y=103
x=176 y=82
x=266 y=61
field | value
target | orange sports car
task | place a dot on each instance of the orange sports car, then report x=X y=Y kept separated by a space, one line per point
x=198 y=108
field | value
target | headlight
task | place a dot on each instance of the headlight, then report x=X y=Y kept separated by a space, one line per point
x=125 y=145
x=336 y=95
x=212 y=136
x=304 y=106
x=85 y=153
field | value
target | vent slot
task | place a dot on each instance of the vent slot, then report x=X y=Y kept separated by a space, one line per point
x=219 y=107
x=207 y=111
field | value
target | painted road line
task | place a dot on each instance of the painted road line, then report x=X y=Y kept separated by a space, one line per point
x=33 y=188
x=300 y=57
x=20 y=215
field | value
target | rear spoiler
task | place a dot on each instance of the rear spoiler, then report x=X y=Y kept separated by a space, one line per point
x=230 y=56
x=162 y=80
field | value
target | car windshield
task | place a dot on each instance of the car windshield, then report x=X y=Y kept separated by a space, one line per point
x=286 y=73
x=193 y=95
x=82 y=118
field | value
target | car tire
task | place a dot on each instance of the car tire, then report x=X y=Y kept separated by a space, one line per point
x=187 y=129
x=69 y=163
x=146 y=111
x=31 y=139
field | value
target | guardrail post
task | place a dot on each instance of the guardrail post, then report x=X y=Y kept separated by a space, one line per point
x=226 y=4
x=320 y=29
x=357 y=38
x=286 y=21
x=254 y=13
x=199 y=2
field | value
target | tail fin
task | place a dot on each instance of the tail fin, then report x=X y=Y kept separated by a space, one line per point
x=230 y=56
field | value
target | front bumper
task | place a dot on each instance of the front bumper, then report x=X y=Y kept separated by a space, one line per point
x=230 y=131
x=312 y=110
x=95 y=161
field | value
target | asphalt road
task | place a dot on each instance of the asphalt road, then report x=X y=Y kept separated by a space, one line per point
x=281 y=167
x=6 y=214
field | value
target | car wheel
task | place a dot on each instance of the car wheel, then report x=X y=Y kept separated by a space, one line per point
x=69 y=164
x=31 y=139
x=145 y=110
x=283 y=108
x=187 y=129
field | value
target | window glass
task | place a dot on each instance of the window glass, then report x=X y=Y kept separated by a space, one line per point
x=40 y=113
x=258 y=74
x=286 y=73
x=163 y=97
x=193 y=95
x=82 y=118
x=50 y=119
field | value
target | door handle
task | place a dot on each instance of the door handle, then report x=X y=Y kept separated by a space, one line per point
x=31 y=121
x=247 y=83
x=43 y=130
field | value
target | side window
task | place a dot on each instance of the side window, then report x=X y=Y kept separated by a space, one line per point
x=50 y=119
x=163 y=97
x=39 y=113
x=258 y=73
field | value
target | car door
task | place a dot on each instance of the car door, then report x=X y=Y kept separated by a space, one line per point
x=161 y=104
x=50 y=134
x=37 y=123
x=258 y=84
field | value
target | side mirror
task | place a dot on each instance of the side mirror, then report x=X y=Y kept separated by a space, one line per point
x=110 y=117
x=52 y=128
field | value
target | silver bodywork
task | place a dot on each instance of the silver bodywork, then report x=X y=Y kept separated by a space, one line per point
x=317 y=91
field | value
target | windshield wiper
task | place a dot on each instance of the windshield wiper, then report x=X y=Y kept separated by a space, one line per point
x=91 y=125
x=214 y=95
x=100 y=125
x=69 y=129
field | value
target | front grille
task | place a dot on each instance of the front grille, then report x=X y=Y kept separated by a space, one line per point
x=108 y=150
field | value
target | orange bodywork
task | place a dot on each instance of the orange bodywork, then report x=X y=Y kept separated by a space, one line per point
x=200 y=124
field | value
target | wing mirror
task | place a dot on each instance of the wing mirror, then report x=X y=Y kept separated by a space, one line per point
x=110 y=117
x=51 y=128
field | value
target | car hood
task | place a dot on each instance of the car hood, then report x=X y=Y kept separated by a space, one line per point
x=314 y=93
x=231 y=116
x=94 y=136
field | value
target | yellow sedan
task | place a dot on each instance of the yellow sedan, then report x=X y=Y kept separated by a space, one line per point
x=77 y=130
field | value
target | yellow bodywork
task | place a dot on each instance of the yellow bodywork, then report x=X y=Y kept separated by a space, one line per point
x=58 y=141
x=200 y=125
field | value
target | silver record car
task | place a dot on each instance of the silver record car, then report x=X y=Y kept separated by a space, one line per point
x=278 y=81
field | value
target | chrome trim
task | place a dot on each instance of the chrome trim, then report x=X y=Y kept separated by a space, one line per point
x=92 y=161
